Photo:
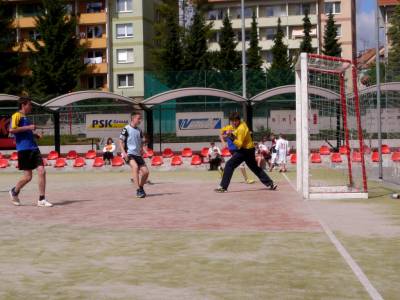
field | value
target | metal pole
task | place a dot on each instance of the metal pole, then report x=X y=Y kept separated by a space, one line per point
x=378 y=90
x=243 y=52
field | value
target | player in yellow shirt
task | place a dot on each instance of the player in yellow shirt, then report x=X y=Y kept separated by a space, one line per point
x=241 y=138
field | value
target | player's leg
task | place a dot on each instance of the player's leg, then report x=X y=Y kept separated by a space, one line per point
x=252 y=164
x=14 y=192
x=236 y=159
x=242 y=168
x=42 y=187
x=135 y=172
x=144 y=172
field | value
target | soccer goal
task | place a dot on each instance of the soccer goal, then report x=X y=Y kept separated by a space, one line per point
x=329 y=137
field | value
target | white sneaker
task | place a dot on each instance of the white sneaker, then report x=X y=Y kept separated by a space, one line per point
x=44 y=203
x=14 y=198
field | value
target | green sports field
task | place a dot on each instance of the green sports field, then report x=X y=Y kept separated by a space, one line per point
x=185 y=242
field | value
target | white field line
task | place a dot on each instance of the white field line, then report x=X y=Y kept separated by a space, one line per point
x=362 y=278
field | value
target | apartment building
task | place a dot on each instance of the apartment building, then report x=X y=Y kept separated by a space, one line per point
x=117 y=35
x=291 y=13
x=387 y=8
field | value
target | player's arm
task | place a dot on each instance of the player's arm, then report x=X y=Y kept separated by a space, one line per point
x=121 y=142
x=17 y=129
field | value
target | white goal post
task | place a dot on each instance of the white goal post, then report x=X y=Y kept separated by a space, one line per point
x=330 y=120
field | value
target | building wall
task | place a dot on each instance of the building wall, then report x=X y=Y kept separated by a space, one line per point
x=291 y=21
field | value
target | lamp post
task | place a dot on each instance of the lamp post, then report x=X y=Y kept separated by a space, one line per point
x=243 y=52
x=378 y=90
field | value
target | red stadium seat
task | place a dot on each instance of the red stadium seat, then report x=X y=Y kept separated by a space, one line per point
x=53 y=155
x=356 y=156
x=60 y=163
x=91 y=154
x=3 y=163
x=98 y=162
x=204 y=152
x=196 y=160
x=293 y=158
x=72 y=154
x=187 y=152
x=324 y=150
x=396 y=156
x=386 y=149
x=14 y=156
x=336 y=158
x=157 y=161
x=316 y=158
x=117 y=161
x=343 y=150
x=375 y=156
x=176 y=160
x=167 y=153
x=148 y=153
x=79 y=162
x=225 y=152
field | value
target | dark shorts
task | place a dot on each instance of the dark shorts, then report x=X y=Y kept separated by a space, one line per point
x=29 y=159
x=138 y=159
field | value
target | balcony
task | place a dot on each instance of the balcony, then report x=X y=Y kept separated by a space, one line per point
x=24 y=22
x=24 y=46
x=101 y=68
x=92 y=18
x=97 y=43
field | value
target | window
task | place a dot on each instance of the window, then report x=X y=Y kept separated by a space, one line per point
x=124 y=30
x=69 y=8
x=299 y=9
x=274 y=11
x=124 y=5
x=339 y=30
x=34 y=35
x=270 y=33
x=235 y=12
x=214 y=37
x=310 y=8
x=94 y=57
x=332 y=7
x=30 y=10
x=267 y=56
x=95 y=82
x=94 y=32
x=239 y=35
x=125 y=56
x=216 y=14
x=125 y=80
x=94 y=7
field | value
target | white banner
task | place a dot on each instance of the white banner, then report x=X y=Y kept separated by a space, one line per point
x=198 y=123
x=106 y=125
x=284 y=121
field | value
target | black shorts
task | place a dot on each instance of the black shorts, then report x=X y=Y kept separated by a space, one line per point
x=29 y=159
x=138 y=159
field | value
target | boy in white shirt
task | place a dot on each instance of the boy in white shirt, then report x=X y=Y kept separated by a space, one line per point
x=282 y=149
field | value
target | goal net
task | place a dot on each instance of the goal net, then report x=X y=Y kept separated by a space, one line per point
x=329 y=137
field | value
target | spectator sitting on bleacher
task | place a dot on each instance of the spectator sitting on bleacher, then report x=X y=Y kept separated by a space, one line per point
x=108 y=151
x=214 y=157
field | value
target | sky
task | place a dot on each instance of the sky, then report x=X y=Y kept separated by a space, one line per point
x=365 y=24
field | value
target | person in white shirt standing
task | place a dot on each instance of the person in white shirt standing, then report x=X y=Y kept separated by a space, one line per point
x=282 y=149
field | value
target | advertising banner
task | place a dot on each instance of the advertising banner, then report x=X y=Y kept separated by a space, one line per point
x=198 y=123
x=106 y=125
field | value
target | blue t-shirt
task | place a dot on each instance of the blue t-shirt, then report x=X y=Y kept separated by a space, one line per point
x=24 y=140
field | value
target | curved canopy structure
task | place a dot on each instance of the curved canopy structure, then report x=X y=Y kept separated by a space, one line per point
x=188 y=92
x=5 y=97
x=385 y=87
x=69 y=98
x=291 y=89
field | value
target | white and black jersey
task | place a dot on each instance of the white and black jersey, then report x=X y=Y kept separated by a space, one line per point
x=132 y=138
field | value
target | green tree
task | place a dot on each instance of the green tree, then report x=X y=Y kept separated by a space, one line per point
x=332 y=47
x=168 y=57
x=56 y=62
x=394 y=51
x=10 y=81
x=306 y=45
x=197 y=59
x=281 y=71
x=256 y=78
x=228 y=59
